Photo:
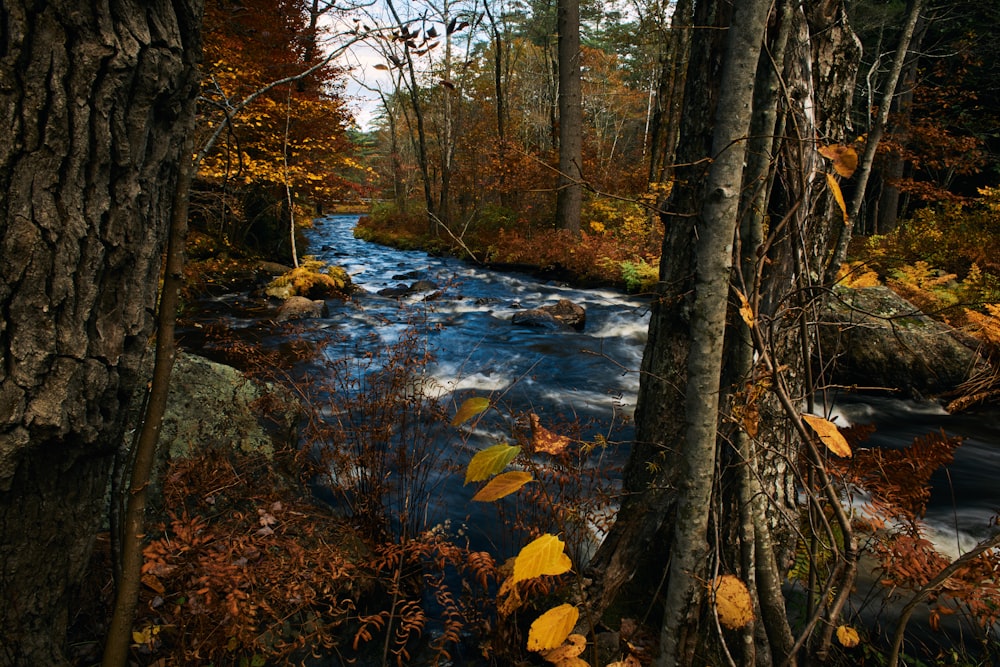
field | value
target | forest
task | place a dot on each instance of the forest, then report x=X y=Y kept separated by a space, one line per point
x=779 y=203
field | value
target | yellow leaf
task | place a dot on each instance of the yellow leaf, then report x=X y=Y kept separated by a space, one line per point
x=845 y=158
x=551 y=628
x=469 y=409
x=544 y=440
x=489 y=462
x=732 y=601
x=502 y=486
x=543 y=556
x=566 y=655
x=829 y=434
x=848 y=636
x=746 y=312
x=838 y=195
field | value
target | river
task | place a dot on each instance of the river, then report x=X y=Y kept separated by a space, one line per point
x=590 y=375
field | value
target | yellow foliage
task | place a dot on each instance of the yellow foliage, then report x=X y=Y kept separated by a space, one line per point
x=857 y=275
x=829 y=434
x=502 y=486
x=310 y=279
x=544 y=555
x=985 y=327
x=732 y=601
x=848 y=636
x=567 y=654
x=469 y=409
x=489 y=462
x=552 y=628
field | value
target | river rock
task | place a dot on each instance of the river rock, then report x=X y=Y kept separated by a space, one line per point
x=299 y=307
x=879 y=339
x=213 y=405
x=565 y=313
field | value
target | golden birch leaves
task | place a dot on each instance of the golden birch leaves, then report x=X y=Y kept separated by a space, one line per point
x=732 y=601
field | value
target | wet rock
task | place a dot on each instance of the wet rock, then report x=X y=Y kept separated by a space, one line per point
x=565 y=313
x=397 y=292
x=300 y=307
x=878 y=339
x=423 y=286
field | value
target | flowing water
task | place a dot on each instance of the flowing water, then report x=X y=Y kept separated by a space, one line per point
x=590 y=374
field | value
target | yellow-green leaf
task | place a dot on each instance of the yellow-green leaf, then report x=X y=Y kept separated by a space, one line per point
x=552 y=628
x=829 y=434
x=489 y=462
x=469 y=409
x=732 y=601
x=502 y=485
x=848 y=636
x=838 y=195
x=544 y=555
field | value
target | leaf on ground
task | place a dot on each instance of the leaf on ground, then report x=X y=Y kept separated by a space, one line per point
x=552 y=628
x=829 y=434
x=732 y=601
x=469 y=409
x=544 y=555
x=544 y=440
x=489 y=462
x=502 y=486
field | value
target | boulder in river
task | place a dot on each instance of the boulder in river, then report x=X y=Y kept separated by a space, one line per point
x=880 y=340
x=299 y=307
x=565 y=313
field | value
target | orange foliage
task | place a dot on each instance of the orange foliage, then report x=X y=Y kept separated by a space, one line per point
x=245 y=568
x=248 y=45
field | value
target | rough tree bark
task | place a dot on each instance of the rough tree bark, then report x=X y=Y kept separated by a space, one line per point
x=569 y=196
x=746 y=525
x=96 y=104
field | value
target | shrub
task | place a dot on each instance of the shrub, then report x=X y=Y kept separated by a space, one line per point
x=312 y=279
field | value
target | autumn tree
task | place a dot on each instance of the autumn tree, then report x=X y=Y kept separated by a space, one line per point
x=98 y=101
x=287 y=148
x=713 y=473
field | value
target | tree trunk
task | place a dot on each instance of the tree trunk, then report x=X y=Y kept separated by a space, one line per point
x=97 y=107
x=701 y=504
x=914 y=7
x=569 y=197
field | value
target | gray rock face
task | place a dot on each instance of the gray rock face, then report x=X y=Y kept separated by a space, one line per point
x=879 y=340
x=565 y=313
x=213 y=405
x=299 y=307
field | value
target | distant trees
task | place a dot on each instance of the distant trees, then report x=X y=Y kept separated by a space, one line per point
x=288 y=148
